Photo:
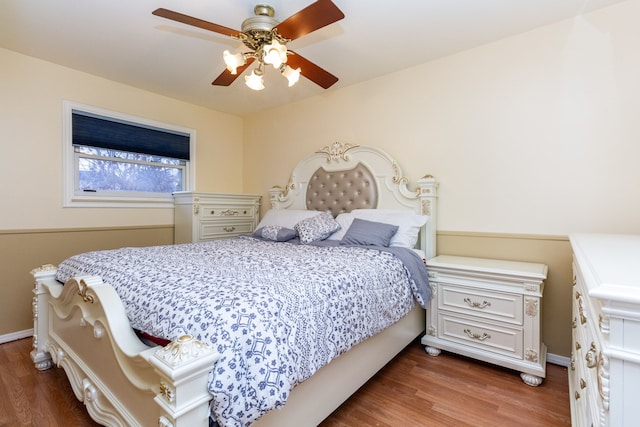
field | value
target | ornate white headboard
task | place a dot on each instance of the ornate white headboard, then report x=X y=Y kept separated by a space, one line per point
x=342 y=177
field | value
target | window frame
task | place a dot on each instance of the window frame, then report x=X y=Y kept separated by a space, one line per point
x=109 y=199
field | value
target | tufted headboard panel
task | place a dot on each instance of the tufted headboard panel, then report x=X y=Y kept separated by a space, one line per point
x=342 y=191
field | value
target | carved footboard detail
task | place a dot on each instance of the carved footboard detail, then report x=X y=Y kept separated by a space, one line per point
x=82 y=327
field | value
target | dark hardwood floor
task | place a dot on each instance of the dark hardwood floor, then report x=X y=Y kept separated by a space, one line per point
x=412 y=390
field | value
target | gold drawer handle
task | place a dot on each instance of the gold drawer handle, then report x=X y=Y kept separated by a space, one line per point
x=577 y=395
x=229 y=229
x=583 y=318
x=583 y=383
x=478 y=337
x=573 y=361
x=228 y=212
x=591 y=357
x=473 y=304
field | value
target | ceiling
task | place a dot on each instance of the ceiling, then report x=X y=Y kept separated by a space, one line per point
x=122 y=41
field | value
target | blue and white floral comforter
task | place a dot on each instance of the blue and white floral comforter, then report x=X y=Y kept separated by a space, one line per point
x=276 y=312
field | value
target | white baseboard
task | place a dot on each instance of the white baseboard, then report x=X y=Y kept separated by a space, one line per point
x=558 y=360
x=16 y=336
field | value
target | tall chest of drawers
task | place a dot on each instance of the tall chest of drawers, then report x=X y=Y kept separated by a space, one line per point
x=489 y=310
x=207 y=216
x=604 y=376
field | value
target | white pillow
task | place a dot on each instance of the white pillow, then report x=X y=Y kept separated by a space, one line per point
x=345 y=220
x=409 y=224
x=287 y=218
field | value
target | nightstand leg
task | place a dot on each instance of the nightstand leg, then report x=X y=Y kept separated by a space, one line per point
x=531 y=380
x=432 y=351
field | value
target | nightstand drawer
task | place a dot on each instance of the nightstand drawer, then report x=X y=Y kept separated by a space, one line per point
x=225 y=228
x=481 y=335
x=208 y=212
x=499 y=306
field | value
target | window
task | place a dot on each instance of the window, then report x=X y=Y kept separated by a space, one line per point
x=115 y=160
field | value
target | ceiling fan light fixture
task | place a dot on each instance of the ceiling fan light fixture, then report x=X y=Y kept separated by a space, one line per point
x=292 y=75
x=233 y=61
x=266 y=38
x=254 y=80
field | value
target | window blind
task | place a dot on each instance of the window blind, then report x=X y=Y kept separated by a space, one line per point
x=105 y=132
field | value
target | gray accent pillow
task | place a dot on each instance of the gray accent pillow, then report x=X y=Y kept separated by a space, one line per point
x=369 y=233
x=316 y=228
x=275 y=232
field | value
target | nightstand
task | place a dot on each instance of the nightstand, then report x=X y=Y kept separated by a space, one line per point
x=489 y=310
x=207 y=216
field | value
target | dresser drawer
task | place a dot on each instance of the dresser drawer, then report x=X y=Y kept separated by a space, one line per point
x=208 y=212
x=498 y=306
x=586 y=388
x=578 y=393
x=482 y=335
x=222 y=228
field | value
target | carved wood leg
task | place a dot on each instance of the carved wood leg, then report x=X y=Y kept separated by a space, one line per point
x=531 y=380
x=432 y=351
x=40 y=353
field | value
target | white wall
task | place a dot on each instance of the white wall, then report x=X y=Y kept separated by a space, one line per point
x=538 y=133
x=31 y=95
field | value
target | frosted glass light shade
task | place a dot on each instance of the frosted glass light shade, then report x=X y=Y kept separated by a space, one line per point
x=254 y=81
x=292 y=75
x=233 y=61
x=275 y=54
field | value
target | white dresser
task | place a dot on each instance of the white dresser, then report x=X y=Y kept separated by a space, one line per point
x=207 y=216
x=604 y=376
x=489 y=310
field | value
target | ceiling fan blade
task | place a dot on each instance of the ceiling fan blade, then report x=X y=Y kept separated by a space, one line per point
x=311 y=71
x=311 y=18
x=190 y=20
x=226 y=78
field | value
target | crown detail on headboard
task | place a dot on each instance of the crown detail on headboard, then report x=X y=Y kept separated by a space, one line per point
x=337 y=151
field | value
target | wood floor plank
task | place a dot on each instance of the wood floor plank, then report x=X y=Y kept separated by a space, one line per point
x=413 y=390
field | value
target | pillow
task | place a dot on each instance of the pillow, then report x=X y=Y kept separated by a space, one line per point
x=285 y=217
x=316 y=228
x=345 y=220
x=276 y=233
x=363 y=232
x=409 y=224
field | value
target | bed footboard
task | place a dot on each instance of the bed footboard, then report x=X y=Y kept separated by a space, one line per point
x=82 y=327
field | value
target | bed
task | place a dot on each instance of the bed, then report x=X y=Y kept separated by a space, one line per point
x=87 y=325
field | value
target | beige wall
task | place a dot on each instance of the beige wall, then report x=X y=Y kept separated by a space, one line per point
x=34 y=227
x=32 y=92
x=535 y=134
x=23 y=250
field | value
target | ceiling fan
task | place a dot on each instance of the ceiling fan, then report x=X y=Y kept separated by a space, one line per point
x=267 y=38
